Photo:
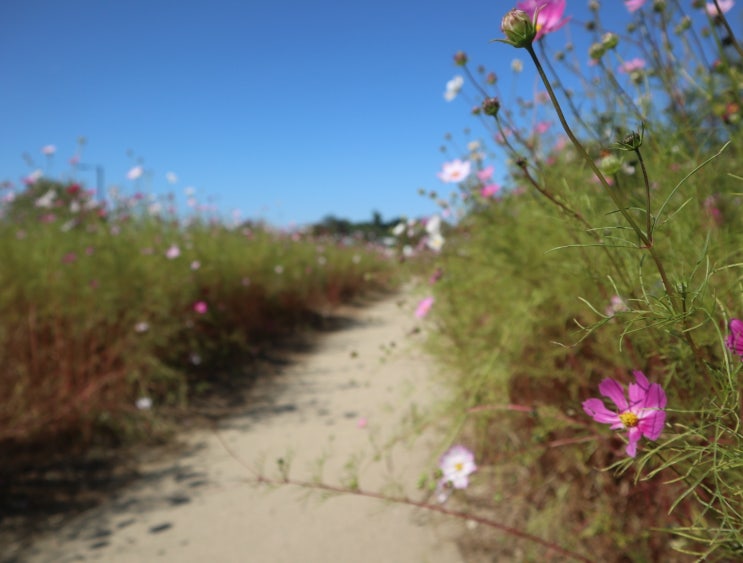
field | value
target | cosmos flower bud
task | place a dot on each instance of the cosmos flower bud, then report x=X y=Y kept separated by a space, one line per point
x=519 y=28
x=610 y=40
x=460 y=58
x=491 y=106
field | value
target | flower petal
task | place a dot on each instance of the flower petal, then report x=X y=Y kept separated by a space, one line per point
x=613 y=390
x=634 y=436
x=596 y=409
x=651 y=425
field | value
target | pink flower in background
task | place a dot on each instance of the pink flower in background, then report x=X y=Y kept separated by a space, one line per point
x=642 y=415
x=424 y=307
x=456 y=465
x=725 y=6
x=173 y=252
x=490 y=190
x=455 y=171
x=633 y=5
x=549 y=17
x=49 y=150
x=361 y=422
x=734 y=340
x=632 y=65
x=200 y=307
x=542 y=127
x=616 y=305
x=485 y=174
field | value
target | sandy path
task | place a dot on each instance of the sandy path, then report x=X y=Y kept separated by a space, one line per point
x=200 y=506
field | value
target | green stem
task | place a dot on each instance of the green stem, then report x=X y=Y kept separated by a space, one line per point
x=648 y=215
x=646 y=243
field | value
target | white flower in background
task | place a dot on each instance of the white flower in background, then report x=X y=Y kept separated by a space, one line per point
x=195 y=265
x=453 y=87
x=190 y=191
x=154 y=209
x=456 y=466
x=399 y=229
x=473 y=146
x=141 y=327
x=435 y=242
x=408 y=251
x=455 y=171
x=49 y=150
x=279 y=269
x=517 y=65
x=47 y=200
x=143 y=403
x=171 y=177
x=433 y=225
x=135 y=173
x=31 y=178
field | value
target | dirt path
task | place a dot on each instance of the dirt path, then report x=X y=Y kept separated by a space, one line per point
x=336 y=404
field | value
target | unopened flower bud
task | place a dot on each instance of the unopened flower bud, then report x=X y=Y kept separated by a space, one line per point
x=610 y=40
x=519 y=28
x=698 y=4
x=491 y=106
x=610 y=164
x=683 y=25
x=631 y=141
x=596 y=51
x=491 y=78
x=659 y=5
x=460 y=58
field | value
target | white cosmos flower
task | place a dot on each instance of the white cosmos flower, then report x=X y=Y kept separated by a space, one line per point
x=135 y=173
x=46 y=200
x=453 y=87
x=399 y=229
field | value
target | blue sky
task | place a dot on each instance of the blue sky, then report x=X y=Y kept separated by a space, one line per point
x=287 y=110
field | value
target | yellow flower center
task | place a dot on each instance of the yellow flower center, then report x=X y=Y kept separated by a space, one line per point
x=459 y=466
x=629 y=419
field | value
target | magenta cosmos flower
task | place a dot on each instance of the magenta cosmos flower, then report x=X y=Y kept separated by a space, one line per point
x=735 y=338
x=424 y=307
x=642 y=415
x=200 y=307
x=550 y=14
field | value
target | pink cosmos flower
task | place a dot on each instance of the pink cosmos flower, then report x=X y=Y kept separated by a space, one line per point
x=200 y=307
x=633 y=5
x=642 y=415
x=542 y=127
x=485 y=174
x=456 y=465
x=49 y=150
x=632 y=65
x=490 y=190
x=734 y=340
x=455 y=171
x=725 y=6
x=548 y=19
x=424 y=307
x=173 y=252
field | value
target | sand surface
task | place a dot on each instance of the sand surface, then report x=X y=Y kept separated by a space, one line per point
x=200 y=505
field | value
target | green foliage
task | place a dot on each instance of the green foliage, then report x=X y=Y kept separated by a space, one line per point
x=603 y=256
x=101 y=311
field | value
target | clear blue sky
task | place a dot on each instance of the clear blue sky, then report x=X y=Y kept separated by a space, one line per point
x=286 y=110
